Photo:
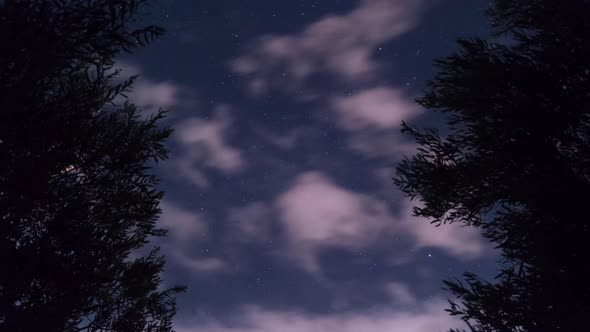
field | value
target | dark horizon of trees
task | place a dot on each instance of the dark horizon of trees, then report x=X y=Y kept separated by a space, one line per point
x=77 y=194
x=515 y=163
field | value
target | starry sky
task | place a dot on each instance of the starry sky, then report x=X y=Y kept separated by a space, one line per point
x=281 y=211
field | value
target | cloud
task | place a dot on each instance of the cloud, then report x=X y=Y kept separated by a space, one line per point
x=340 y=49
x=337 y=45
x=185 y=228
x=400 y=293
x=205 y=141
x=182 y=223
x=427 y=318
x=318 y=213
x=373 y=117
x=203 y=145
x=199 y=265
x=184 y=167
x=379 y=108
x=151 y=95
x=456 y=240
x=250 y=223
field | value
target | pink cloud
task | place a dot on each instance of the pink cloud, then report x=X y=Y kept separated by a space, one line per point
x=203 y=140
x=380 y=108
x=205 y=143
x=199 y=265
x=456 y=240
x=340 y=45
x=185 y=227
x=318 y=213
x=373 y=117
x=149 y=94
x=426 y=318
x=400 y=293
x=183 y=224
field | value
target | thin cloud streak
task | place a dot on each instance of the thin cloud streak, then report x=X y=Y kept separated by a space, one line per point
x=430 y=317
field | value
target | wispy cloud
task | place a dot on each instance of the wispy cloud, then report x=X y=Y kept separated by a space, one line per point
x=183 y=224
x=372 y=117
x=203 y=146
x=204 y=141
x=340 y=49
x=337 y=45
x=151 y=95
x=185 y=229
x=378 y=108
x=250 y=223
x=456 y=240
x=318 y=213
x=400 y=293
x=210 y=265
x=427 y=318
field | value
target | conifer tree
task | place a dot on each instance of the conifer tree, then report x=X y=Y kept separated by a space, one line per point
x=77 y=195
x=514 y=160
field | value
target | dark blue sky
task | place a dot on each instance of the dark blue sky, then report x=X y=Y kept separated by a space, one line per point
x=281 y=211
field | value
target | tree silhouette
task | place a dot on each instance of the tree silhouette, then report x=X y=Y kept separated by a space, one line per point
x=76 y=193
x=514 y=161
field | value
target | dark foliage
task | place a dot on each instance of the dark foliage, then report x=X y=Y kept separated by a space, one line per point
x=515 y=163
x=76 y=193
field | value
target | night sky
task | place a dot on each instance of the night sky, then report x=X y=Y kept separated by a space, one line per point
x=279 y=200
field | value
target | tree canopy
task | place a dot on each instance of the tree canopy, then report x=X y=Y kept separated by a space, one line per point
x=514 y=160
x=77 y=197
